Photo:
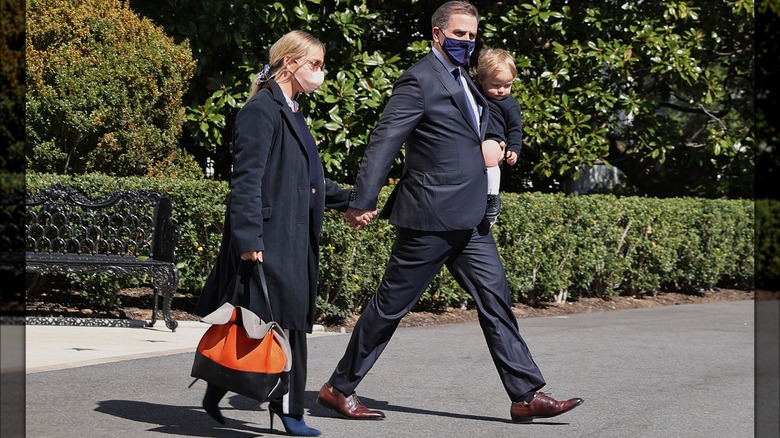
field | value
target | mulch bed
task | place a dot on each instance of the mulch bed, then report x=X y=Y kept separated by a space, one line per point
x=136 y=304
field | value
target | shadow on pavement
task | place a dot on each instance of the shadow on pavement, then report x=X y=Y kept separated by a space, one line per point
x=319 y=411
x=184 y=420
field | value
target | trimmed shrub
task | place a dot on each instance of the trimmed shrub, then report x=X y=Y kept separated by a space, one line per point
x=554 y=247
x=104 y=89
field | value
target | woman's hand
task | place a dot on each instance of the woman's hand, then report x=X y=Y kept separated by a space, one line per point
x=255 y=256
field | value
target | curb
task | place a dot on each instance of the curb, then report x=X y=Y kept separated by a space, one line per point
x=108 y=322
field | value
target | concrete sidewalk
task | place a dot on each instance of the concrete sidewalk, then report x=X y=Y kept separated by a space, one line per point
x=682 y=371
x=53 y=347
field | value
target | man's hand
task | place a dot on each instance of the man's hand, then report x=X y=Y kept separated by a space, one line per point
x=357 y=218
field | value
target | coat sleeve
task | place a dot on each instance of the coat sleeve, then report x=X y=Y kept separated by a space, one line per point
x=497 y=124
x=514 y=125
x=252 y=141
x=336 y=197
x=403 y=111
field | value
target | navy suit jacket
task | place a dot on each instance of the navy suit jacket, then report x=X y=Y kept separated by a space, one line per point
x=444 y=182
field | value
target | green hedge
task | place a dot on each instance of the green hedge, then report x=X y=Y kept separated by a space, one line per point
x=554 y=247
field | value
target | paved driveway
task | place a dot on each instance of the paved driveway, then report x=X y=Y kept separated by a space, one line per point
x=676 y=371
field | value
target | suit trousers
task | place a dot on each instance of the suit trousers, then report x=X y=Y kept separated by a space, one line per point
x=472 y=258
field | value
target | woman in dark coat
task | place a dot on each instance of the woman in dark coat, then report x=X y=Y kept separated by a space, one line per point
x=277 y=197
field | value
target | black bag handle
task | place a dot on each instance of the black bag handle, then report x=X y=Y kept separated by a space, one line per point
x=234 y=296
x=265 y=289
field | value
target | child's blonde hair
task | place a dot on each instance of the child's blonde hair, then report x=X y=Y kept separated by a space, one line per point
x=493 y=61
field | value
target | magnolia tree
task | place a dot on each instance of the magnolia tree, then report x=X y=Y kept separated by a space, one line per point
x=230 y=43
x=661 y=90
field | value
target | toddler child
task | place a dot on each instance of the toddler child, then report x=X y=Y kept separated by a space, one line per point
x=495 y=73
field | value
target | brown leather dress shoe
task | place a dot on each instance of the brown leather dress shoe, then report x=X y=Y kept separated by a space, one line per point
x=542 y=406
x=347 y=406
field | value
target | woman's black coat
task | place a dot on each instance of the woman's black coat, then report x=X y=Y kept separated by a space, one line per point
x=268 y=210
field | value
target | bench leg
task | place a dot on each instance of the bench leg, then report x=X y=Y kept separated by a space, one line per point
x=155 y=294
x=165 y=281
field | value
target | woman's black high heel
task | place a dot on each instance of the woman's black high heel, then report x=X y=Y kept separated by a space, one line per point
x=211 y=402
x=293 y=425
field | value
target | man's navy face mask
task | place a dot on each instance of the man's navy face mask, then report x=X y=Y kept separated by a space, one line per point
x=459 y=51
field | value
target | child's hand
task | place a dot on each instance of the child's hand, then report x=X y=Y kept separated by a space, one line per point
x=511 y=158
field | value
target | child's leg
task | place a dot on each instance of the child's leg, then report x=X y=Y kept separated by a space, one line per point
x=492 y=153
x=493 y=208
x=494 y=179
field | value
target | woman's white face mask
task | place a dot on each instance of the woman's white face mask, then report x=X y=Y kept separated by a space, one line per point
x=310 y=80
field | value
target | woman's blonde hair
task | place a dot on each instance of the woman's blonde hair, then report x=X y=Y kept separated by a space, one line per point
x=492 y=61
x=295 y=44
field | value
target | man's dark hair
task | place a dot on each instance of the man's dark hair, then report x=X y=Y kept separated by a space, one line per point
x=442 y=15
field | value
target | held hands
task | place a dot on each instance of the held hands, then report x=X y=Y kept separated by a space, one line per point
x=357 y=218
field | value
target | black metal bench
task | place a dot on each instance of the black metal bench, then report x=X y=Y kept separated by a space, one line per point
x=129 y=232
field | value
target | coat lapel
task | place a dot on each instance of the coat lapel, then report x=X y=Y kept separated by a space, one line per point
x=457 y=93
x=289 y=117
x=287 y=113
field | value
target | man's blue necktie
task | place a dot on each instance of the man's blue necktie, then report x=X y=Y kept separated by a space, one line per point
x=456 y=75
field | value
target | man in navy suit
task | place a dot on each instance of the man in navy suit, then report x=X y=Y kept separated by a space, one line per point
x=437 y=208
